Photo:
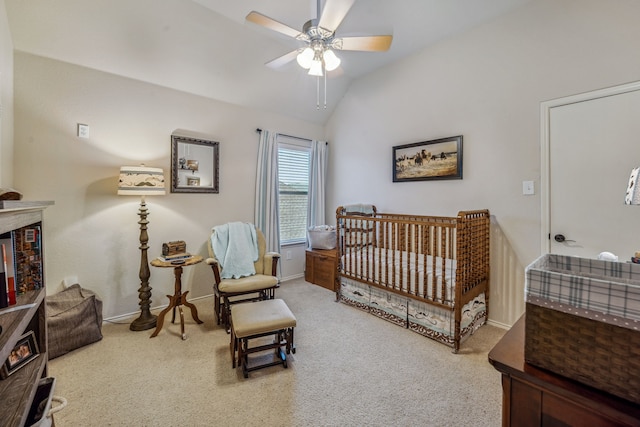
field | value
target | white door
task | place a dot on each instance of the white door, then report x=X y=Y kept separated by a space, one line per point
x=590 y=144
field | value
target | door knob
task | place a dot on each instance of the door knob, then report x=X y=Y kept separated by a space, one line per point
x=560 y=238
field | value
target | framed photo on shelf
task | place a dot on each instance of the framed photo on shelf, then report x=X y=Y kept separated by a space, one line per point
x=25 y=350
x=437 y=159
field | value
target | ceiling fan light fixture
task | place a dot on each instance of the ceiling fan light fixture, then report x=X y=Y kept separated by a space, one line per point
x=317 y=54
x=316 y=68
x=305 y=58
x=331 y=61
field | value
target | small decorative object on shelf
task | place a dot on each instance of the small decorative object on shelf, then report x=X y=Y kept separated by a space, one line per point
x=174 y=252
x=192 y=165
x=607 y=256
x=24 y=352
x=10 y=194
x=172 y=248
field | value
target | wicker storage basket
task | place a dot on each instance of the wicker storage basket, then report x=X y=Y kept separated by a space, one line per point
x=583 y=322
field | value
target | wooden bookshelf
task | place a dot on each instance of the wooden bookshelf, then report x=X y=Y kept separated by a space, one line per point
x=18 y=390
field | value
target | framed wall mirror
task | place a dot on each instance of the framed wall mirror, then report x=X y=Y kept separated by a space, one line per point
x=194 y=165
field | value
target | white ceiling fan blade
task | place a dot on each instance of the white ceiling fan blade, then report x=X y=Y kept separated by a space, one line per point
x=333 y=13
x=282 y=60
x=366 y=43
x=272 y=24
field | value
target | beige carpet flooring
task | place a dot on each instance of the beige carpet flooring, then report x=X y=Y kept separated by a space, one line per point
x=350 y=369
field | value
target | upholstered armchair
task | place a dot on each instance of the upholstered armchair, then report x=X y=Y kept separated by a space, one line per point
x=254 y=287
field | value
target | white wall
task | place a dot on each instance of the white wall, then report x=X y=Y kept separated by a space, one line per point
x=90 y=232
x=6 y=101
x=486 y=85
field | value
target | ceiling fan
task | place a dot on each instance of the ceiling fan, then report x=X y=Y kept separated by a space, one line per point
x=318 y=36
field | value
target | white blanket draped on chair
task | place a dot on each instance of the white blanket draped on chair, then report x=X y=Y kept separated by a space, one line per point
x=236 y=247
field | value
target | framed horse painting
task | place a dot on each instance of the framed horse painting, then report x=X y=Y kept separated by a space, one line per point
x=437 y=159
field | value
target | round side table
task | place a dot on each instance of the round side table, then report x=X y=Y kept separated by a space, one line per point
x=179 y=298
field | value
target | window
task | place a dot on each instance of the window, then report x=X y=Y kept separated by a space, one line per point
x=293 y=188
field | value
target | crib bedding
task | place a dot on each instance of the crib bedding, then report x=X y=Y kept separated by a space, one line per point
x=389 y=306
x=438 y=323
x=405 y=269
x=435 y=322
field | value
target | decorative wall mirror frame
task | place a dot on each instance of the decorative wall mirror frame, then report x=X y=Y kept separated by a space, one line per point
x=194 y=165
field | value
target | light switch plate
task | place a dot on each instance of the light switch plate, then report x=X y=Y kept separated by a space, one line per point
x=528 y=188
x=83 y=130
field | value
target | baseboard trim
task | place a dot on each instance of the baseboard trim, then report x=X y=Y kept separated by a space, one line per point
x=121 y=318
x=129 y=316
x=295 y=276
x=498 y=324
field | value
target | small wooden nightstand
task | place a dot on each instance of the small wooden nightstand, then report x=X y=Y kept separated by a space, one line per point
x=320 y=267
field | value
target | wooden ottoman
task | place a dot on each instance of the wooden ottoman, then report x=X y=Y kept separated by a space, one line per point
x=261 y=319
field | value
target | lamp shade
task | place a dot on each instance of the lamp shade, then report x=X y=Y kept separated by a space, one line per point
x=331 y=61
x=305 y=57
x=141 y=181
x=633 y=189
x=316 y=68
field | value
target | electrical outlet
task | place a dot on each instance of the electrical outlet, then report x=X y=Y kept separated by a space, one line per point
x=288 y=255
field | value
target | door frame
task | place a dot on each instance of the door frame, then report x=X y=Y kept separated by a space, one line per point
x=545 y=152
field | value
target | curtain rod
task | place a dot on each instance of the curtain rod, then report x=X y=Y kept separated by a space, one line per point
x=289 y=136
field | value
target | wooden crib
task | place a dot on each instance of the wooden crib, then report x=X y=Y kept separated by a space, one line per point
x=426 y=273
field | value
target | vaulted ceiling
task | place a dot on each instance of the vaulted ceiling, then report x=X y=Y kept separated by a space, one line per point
x=206 y=47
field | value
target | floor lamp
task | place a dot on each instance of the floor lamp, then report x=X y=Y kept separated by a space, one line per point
x=142 y=181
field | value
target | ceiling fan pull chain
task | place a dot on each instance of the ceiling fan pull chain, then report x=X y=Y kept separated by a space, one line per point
x=318 y=93
x=325 y=90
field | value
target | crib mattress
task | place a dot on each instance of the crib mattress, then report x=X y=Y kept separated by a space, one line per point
x=408 y=270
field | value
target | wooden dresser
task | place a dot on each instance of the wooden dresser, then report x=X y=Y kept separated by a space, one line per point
x=535 y=397
x=320 y=267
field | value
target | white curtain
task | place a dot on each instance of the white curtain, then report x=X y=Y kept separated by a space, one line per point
x=267 y=206
x=317 y=177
